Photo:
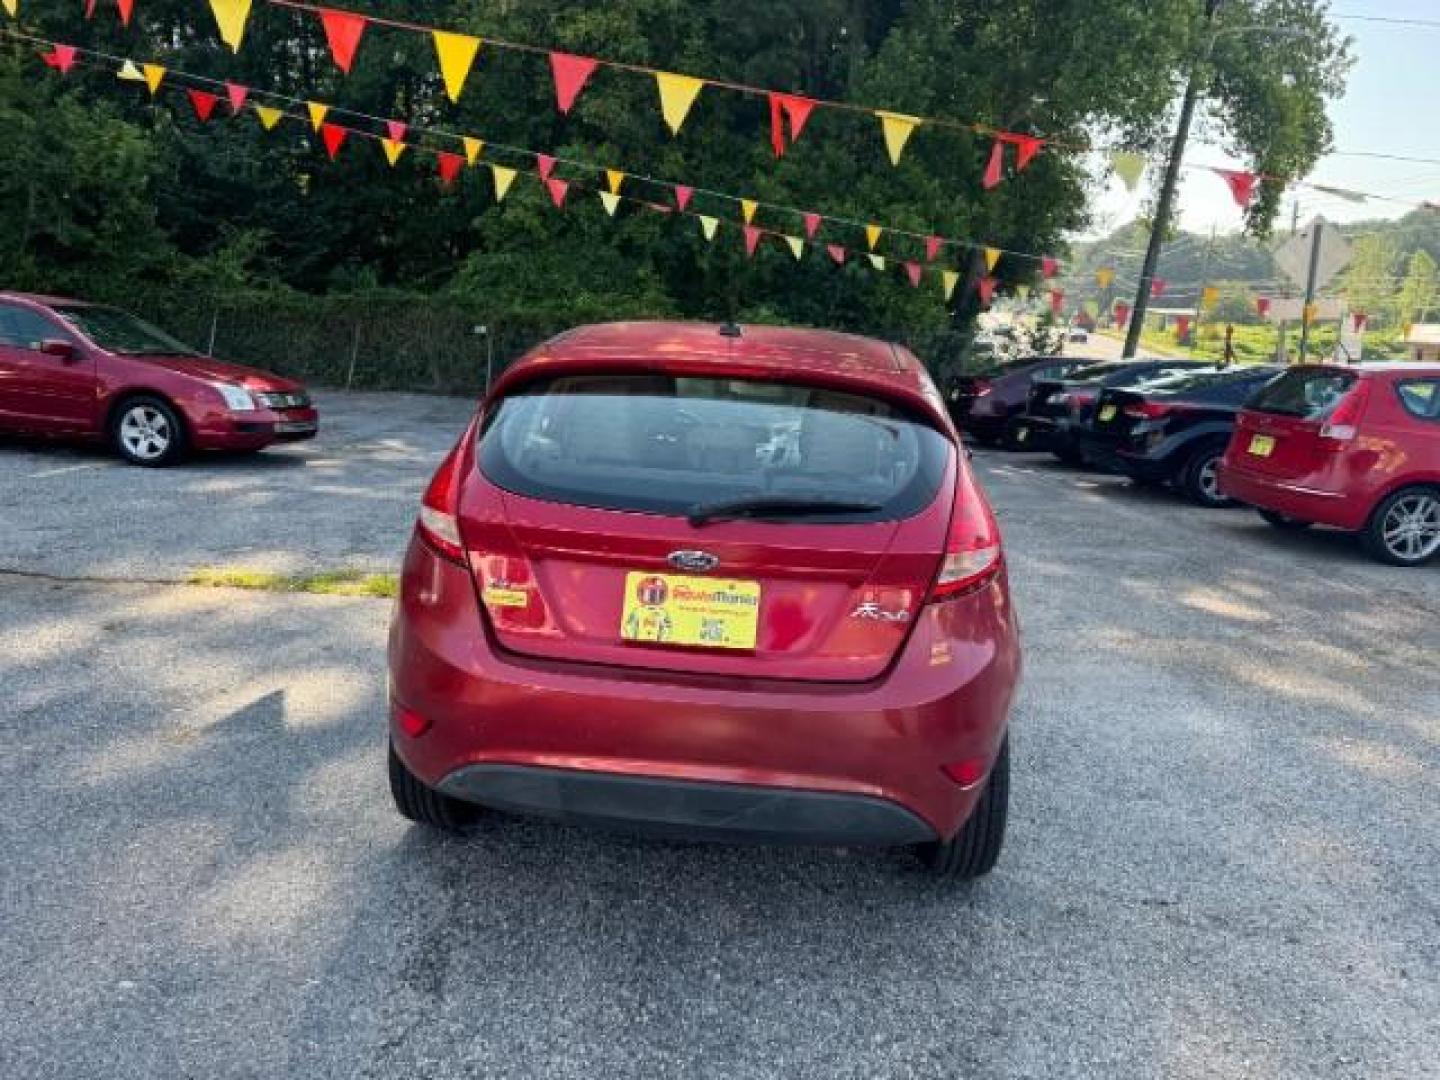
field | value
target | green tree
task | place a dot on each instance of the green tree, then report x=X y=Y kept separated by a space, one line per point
x=1369 y=281
x=1419 y=293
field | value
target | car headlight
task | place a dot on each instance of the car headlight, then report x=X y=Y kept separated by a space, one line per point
x=237 y=398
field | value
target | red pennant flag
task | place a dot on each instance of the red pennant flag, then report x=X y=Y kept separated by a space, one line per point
x=89 y=10
x=796 y=112
x=334 y=136
x=342 y=31
x=558 y=190
x=1157 y=287
x=1057 y=300
x=994 y=169
x=126 y=7
x=571 y=74
x=837 y=253
x=1262 y=306
x=812 y=225
x=547 y=165
x=238 y=95
x=932 y=248
x=450 y=166
x=1359 y=318
x=1026 y=147
x=396 y=129
x=1049 y=266
x=1242 y=185
x=913 y=270
x=1122 y=314
x=752 y=239
x=683 y=194
x=61 y=58
x=204 y=103
x=987 y=289
x=1182 y=327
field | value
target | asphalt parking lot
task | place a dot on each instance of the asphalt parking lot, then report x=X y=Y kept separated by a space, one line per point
x=1223 y=861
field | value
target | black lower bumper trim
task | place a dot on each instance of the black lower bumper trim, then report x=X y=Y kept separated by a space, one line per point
x=686 y=808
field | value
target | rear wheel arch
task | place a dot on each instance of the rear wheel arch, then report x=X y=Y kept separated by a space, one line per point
x=1189 y=473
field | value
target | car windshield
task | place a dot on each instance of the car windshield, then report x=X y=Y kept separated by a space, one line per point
x=664 y=445
x=117 y=331
x=1307 y=394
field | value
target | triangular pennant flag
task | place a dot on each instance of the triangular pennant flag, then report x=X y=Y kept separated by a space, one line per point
x=12 y=8
x=268 y=117
x=1262 y=306
x=571 y=74
x=334 y=138
x=238 y=95
x=616 y=179
x=683 y=194
x=1129 y=167
x=546 y=164
x=1023 y=292
x=449 y=166
x=1209 y=297
x=1104 y=276
x=987 y=289
x=949 y=279
x=611 y=202
x=154 y=76
x=126 y=7
x=992 y=257
x=677 y=94
x=752 y=239
x=1358 y=319
x=1026 y=147
x=914 y=271
x=995 y=167
x=1049 y=266
x=1157 y=287
x=473 y=148
x=456 y=53
x=837 y=253
x=393 y=149
x=1311 y=312
x=932 y=248
x=747 y=209
x=203 y=103
x=897 y=128
x=231 y=16
x=1182 y=327
x=342 y=31
x=797 y=246
x=129 y=72
x=61 y=58
x=787 y=108
x=812 y=224
x=872 y=236
x=877 y=261
x=708 y=225
x=317 y=113
x=1242 y=185
x=1057 y=300
x=558 y=190
x=396 y=130
x=1122 y=314
x=503 y=179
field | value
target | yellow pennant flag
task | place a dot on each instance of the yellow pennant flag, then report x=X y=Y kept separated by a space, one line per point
x=611 y=201
x=1022 y=291
x=231 y=16
x=503 y=179
x=1129 y=167
x=317 y=112
x=393 y=150
x=872 y=235
x=1209 y=297
x=992 y=256
x=268 y=117
x=877 y=261
x=154 y=76
x=898 y=128
x=797 y=246
x=473 y=148
x=950 y=279
x=748 y=208
x=1312 y=312
x=708 y=225
x=677 y=94
x=615 y=178
x=130 y=73
x=1104 y=276
x=12 y=6
x=457 y=54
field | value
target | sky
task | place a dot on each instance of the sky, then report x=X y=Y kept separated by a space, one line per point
x=1390 y=106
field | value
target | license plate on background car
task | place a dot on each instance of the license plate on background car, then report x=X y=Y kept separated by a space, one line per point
x=1107 y=414
x=1021 y=434
x=1262 y=445
x=670 y=610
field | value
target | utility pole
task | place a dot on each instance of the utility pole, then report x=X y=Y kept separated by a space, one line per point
x=1310 y=276
x=1167 y=195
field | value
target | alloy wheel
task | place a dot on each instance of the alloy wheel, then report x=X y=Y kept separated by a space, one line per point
x=146 y=432
x=1411 y=529
x=1209 y=479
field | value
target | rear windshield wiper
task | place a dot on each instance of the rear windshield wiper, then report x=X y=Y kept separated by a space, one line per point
x=775 y=506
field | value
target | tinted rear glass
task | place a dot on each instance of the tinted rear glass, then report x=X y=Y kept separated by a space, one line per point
x=1309 y=395
x=1215 y=382
x=1098 y=371
x=1421 y=397
x=664 y=445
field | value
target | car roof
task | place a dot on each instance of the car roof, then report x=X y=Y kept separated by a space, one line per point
x=40 y=298
x=1378 y=367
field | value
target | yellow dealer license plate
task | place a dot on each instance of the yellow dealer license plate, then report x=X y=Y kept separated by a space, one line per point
x=1107 y=414
x=706 y=612
x=1262 y=445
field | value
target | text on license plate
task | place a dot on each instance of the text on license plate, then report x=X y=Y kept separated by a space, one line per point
x=673 y=610
x=1107 y=413
x=1262 y=445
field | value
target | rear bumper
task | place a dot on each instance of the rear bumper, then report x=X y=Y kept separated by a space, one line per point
x=702 y=755
x=1291 y=499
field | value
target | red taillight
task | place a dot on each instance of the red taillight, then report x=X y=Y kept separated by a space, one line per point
x=1079 y=401
x=1344 y=422
x=1147 y=410
x=981 y=387
x=972 y=550
x=439 y=523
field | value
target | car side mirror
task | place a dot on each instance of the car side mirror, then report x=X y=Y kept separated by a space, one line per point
x=61 y=350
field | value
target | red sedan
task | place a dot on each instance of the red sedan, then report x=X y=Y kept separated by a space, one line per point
x=85 y=371
x=1354 y=448
x=712 y=582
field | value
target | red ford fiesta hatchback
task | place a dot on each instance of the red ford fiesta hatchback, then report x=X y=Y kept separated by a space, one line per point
x=724 y=583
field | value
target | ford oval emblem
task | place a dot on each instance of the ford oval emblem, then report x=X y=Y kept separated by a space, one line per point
x=698 y=562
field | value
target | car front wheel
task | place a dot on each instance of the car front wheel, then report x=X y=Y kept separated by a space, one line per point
x=974 y=850
x=1404 y=530
x=146 y=431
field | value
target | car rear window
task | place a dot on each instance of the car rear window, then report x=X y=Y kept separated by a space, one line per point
x=1421 y=397
x=1309 y=395
x=665 y=445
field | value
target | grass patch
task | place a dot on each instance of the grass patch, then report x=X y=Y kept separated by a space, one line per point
x=329 y=583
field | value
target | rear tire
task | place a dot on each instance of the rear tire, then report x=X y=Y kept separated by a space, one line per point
x=1200 y=479
x=1068 y=455
x=147 y=431
x=974 y=850
x=425 y=805
x=1404 y=530
x=1280 y=521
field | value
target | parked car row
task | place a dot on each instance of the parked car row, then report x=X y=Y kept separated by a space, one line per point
x=1353 y=448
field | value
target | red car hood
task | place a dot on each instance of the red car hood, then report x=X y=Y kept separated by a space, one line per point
x=206 y=367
